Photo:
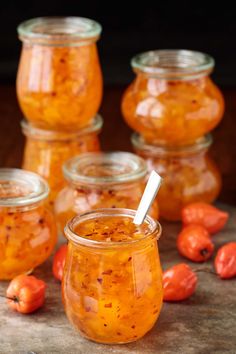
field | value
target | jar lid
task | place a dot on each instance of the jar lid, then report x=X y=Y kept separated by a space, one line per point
x=173 y=64
x=104 y=169
x=21 y=188
x=59 y=31
x=148 y=149
x=49 y=135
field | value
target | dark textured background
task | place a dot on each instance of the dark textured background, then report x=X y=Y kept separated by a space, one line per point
x=131 y=27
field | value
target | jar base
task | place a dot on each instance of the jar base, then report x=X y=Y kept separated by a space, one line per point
x=109 y=343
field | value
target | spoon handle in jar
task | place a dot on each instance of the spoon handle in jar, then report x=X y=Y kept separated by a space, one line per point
x=150 y=192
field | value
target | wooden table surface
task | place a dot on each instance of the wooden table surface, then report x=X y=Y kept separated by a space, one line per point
x=203 y=324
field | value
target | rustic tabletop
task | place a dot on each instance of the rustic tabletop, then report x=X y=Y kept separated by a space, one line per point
x=203 y=324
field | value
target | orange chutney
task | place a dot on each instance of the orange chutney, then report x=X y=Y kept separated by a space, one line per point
x=189 y=174
x=112 y=284
x=59 y=81
x=172 y=99
x=101 y=180
x=27 y=228
x=46 y=151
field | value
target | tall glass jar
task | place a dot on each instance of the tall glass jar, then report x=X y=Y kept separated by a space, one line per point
x=59 y=81
x=189 y=174
x=172 y=99
x=101 y=180
x=46 y=151
x=27 y=228
x=112 y=283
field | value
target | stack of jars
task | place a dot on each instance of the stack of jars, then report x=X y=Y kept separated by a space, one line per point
x=173 y=105
x=59 y=88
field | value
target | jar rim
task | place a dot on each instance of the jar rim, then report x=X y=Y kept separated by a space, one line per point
x=59 y=30
x=155 y=231
x=36 y=187
x=198 y=145
x=49 y=135
x=127 y=167
x=173 y=64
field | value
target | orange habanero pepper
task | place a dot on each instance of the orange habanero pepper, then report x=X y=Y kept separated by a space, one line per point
x=179 y=282
x=225 y=261
x=59 y=262
x=206 y=215
x=25 y=293
x=194 y=243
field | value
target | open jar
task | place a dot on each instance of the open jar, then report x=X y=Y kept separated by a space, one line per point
x=46 y=151
x=172 y=99
x=27 y=227
x=101 y=180
x=59 y=81
x=189 y=174
x=112 y=283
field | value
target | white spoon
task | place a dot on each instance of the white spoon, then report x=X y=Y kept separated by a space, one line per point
x=149 y=194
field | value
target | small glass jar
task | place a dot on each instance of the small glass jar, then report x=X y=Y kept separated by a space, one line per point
x=112 y=283
x=27 y=227
x=172 y=100
x=101 y=180
x=59 y=81
x=46 y=151
x=189 y=174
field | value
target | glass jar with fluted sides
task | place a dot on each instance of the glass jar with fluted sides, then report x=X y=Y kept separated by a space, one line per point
x=112 y=284
x=172 y=99
x=27 y=228
x=46 y=151
x=101 y=180
x=189 y=174
x=59 y=80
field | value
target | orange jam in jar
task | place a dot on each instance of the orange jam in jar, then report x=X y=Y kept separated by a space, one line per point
x=46 y=151
x=112 y=284
x=189 y=174
x=27 y=228
x=172 y=100
x=59 y=81
x=101 y=180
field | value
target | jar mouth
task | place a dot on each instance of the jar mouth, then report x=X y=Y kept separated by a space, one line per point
x=21 y=188
x=155 y=228
x=51 y=135
x=104 y=169
x=199 y=145
x=173 y=64
x=59 y=30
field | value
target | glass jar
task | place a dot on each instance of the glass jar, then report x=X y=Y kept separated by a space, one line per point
x=172 y=100
x=59 y=81
x=27 y=227
x=101 y=180
x=112 y=283
x=189 y=174
x=46 y=151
